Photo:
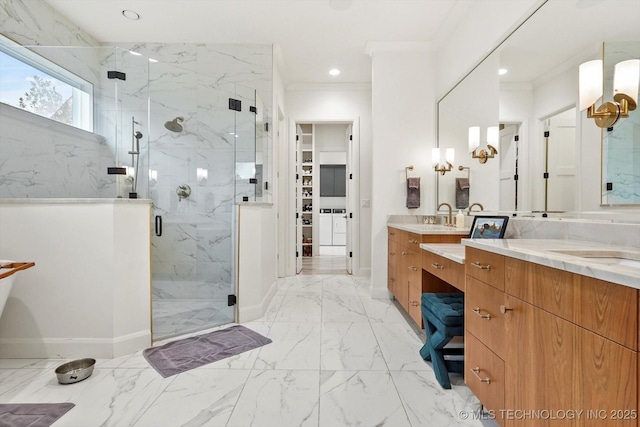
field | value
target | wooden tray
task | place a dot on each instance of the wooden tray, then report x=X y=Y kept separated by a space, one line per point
x=14 y=267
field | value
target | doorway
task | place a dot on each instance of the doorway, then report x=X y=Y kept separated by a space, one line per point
x=323 y=196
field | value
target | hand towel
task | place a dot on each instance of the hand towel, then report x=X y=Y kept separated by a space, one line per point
x=462 y=193
x=413 y=193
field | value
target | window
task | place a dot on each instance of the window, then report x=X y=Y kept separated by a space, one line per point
x=32 y=83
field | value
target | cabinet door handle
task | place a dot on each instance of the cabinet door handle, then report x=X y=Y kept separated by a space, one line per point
x=412 y=268
x=413 y=241
x=391 y=233
x=476 y=372
x=392 y=253
x=392 y=280
x=405 y=253
x=504 y=309
x=484 y=316
x=480 y=266
x=414 y=303
x=437 y=266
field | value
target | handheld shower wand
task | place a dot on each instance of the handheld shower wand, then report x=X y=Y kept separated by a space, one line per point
x=136 y=135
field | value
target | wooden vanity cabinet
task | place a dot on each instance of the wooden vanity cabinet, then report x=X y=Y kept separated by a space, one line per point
x=405 y=278
x=568 y=343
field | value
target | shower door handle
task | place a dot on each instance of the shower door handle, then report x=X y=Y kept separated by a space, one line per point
x=158 y=225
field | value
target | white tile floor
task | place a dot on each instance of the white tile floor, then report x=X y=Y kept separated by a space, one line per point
x=338 y=358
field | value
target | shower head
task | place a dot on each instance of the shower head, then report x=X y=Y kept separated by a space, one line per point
x=173 y=125
x=137 y=134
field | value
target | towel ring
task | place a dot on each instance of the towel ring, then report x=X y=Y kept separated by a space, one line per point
x=468 y=170
x=406 y=171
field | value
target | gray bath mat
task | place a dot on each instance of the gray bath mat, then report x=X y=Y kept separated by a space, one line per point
x=189 y=353
x=32 y=414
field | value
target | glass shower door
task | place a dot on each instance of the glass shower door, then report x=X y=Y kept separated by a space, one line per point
x=191 y=184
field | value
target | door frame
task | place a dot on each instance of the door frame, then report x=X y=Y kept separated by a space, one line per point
x=288 y=170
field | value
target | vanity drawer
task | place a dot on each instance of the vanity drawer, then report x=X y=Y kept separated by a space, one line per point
x=485 y=266
x=606 y=308
x=392 y=265
x=412 y=241
x=395 y=235
x=484 y=374
x=412 y=265
x=415 y=311
x=444 y=268
x=482 y=316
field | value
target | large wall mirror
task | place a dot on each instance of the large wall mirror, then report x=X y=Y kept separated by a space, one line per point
x=550 y=156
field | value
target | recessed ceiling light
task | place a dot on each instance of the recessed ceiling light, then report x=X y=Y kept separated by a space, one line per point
x=135 y=53
x=334 y=72
x=130 y=14
x=153 y=60
x=502 y=71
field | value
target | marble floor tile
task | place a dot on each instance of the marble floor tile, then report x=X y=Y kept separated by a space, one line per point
x=339 y=308
x=294 y=346
x=197 y=397
x=300 y=308
x=426 y=402
x=382 y=311
x=275 y=398
x=400 y=346
x=360 y=398
x=350 y=346
x=338 y=358
x=118 y=399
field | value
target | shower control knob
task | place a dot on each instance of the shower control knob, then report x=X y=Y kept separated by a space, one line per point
x=183 y=191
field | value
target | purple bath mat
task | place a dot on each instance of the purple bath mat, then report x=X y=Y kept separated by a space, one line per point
x=32 y=414
x=189 y=353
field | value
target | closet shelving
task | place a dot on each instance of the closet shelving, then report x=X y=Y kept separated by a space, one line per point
x=307 y=168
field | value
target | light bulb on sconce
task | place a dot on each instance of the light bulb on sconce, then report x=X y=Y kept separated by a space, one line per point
x=435 y=159
x=625 y=91
x=493 y=136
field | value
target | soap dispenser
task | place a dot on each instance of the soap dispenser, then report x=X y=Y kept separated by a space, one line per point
x=459 y=219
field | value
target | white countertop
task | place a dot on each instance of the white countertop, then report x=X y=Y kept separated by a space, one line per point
x=73 y=201
x=544 y=252
x=452 y=251
x=429 y=228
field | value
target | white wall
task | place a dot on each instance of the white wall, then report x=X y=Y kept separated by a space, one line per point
x=256 y=261
x=403 y=100
x=88 y=297
x=340 y=103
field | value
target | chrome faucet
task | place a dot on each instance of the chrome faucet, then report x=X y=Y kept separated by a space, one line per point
x=450 y=221
x=472 y=205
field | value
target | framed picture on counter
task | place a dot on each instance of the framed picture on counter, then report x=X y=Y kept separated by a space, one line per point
x=488 y=227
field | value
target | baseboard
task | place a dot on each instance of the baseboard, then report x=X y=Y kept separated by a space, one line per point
x=361 y=272
x=73 y=348
x=247 y=314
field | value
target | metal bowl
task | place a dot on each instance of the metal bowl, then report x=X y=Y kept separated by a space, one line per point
x=75 y=371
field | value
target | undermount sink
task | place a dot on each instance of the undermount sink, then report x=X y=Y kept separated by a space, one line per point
x=614 y=257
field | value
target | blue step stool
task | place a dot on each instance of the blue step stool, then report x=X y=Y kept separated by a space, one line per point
x=443 y=316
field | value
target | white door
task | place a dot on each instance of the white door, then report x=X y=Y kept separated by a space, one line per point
x=298 y=198
x=562 y=165
x=350 y=200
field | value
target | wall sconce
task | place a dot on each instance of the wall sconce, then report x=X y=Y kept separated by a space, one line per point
x=435 y=159
x=625 y=91
x=493 y=135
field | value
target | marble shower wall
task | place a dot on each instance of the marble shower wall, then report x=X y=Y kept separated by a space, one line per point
x=40 y=157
